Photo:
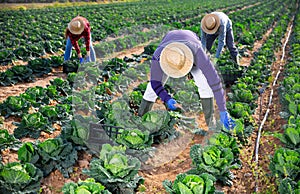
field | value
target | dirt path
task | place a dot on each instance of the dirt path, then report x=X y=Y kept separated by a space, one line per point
x=245 y=61
x=128 y=53
x=245 y=7
x=19 y=88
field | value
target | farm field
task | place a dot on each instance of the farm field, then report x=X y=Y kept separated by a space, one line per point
x=51 y=110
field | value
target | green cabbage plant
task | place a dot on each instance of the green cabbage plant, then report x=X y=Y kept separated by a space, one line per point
x=17 y=178
x=285 y=163
x=7 y=140
x=36 y=96
x=225 y=141
x=88 y=186
x=31 y=125
x=14 y=105
x=291 y=135
x=215 y=160
x=191 y=184
x=135 y=139
x=116 y=170
x=159 y=123
x=50 y=155
x=287 y=185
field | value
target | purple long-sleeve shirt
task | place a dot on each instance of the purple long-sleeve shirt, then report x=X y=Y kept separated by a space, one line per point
x=201 y=60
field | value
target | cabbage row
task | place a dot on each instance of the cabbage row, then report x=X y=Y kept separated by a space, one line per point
x=285 y=163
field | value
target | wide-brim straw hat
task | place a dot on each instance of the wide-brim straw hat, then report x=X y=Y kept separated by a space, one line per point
x=176 y=59
x=210 y=23
x=76 y=26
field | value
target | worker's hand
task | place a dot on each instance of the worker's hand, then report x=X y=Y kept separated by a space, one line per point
x=207 y=53
x=172 y=104
x=81 y=60
x=214 y=60
x=88 y=53
x=237 y=59
x=226 y=120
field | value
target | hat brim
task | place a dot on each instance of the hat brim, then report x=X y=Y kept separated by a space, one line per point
x=215 y=29
x=72 y=30
x=186 y=66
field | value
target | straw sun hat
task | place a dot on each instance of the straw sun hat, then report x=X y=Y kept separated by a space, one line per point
x=210 y=23
x=76 y=26
x=176 y=59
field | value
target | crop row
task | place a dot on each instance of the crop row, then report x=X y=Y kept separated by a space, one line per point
x=241 y=105
x=286 y=160
x=46 y=30
x=242 y=26
x=116 y=76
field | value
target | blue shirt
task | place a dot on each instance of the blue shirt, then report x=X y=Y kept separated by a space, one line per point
x=225 y=25
x=201 y=60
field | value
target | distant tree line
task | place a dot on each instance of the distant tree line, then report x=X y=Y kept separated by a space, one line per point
x=47 y=1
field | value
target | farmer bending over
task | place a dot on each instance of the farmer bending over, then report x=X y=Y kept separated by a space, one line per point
x=79 y=27
x=217 y=24
x=179 y=53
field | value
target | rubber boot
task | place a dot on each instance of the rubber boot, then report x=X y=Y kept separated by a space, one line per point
x=208 y=109
x=145 y=107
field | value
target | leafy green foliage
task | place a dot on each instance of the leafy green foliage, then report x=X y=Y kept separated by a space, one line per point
x=77 y=129
x=50 y=155
x=214 y=160
x=6 y=56
x=291 y=136
x=225 y=141
x=88 y=186
x=242 y=95
x=15 y=74
x=56 y=61
x=120 y=115
x=104 y=88
x=114 y=169
x=240 y=110
x=135 y=99
x=7 y=140
x=62 y=86
x=241 y=132
x=40 y=66
x=159 y=123
x=49 y=112
x=36 y=96
x=191 y=184
x=14 y=105
x=115 y=65
x=7 y=78
x=32 y=125
x=20 y=178
x=27 y=153
x=150 y=48
x=285 y=163
x=22 y=73
x=287 y=185
x=135 y=139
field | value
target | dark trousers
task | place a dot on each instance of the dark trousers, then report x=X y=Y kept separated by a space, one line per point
x=210 y=38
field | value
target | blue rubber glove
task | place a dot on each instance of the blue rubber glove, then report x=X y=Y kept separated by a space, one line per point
x=226 y=121
x=171 y=104
x=81 y=60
